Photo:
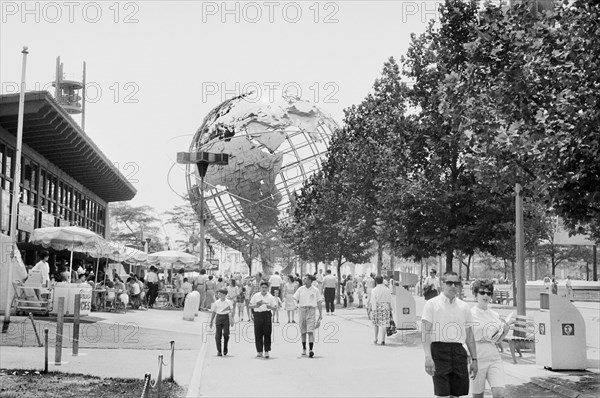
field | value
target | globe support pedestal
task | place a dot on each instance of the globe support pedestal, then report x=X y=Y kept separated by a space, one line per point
x=202 y=161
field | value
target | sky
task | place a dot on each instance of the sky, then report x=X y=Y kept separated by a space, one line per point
x=156 y=68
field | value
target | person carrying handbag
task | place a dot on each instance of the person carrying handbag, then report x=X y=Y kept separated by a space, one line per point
x=379 y=308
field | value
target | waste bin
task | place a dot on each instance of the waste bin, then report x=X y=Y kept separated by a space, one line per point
x=561 y=340
x=190 y=308
x=406 y=316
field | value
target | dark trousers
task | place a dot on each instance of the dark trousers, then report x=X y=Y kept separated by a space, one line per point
x=329 y=293
x=262 y=330
x=152 y=293
x=222 y=330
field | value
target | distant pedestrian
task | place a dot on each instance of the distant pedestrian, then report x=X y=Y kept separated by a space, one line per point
x=554 y=285
x=308 y=298
x=370 y=284
x=447 y=326
x=350 y=291
x=431 y=287
x=290 y=305
x=233 y=291
x=329 y=284
x=488 y=329
x=360 y=292
x=222 y=310
x=200 y=286
x=211 y=289
x=262 y=303
x=275 y=283
x=569 y=286
x=152 y=282
x=379 y=308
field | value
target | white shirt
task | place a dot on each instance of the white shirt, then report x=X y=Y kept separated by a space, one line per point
x=152 y=277
x=307 y=297
x=135 y=288
x=268 y=300
x=275 y=281
x=44 y=269
x=449 y=320
x=435 y=281
x=380 y=294
x=486 y=323
x=329 y=281
x=222 y=307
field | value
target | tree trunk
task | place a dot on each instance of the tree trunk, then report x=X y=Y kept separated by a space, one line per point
x=421 y=280
x=379 y=258
x=339 y=275
x=449 y=258
x=552 y=258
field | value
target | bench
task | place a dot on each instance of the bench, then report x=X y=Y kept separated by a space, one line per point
x=520 y=337
x=501 y=297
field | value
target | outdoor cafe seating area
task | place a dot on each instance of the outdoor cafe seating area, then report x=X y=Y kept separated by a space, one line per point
x=116 y=285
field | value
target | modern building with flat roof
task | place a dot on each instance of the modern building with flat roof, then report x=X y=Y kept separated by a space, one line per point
x=65 y=178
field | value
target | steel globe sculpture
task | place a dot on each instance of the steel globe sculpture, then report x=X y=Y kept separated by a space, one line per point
x=273 y=148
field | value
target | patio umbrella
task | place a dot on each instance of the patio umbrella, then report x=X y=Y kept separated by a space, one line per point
x=74 y=239
x=172 y=257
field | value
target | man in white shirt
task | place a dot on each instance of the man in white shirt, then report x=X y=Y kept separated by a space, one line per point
x=222 y=309
x=320 y=278
x=329 y=285
x=447 y=326
x=431 y=286
x=308 y=299
x=262 y=304
x=200 y=286
x=275 y=283
x=41 y=270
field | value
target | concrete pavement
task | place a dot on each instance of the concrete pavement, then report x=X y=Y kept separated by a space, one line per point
x=347 y=363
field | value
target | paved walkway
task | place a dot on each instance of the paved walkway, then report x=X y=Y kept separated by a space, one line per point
x=347 y=363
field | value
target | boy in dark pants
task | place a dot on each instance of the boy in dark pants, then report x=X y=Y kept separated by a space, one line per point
x=222 y=310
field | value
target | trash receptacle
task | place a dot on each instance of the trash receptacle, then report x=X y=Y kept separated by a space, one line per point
x=561 y=338
x=190 y=308
x=406 y=314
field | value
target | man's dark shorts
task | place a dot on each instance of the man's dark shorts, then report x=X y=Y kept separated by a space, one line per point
x=451 y=371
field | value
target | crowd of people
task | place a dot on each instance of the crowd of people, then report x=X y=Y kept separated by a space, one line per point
x=454 y=371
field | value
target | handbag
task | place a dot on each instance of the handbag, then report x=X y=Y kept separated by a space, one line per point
x=391 y=329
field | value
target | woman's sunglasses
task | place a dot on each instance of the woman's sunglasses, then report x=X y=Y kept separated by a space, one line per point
x=450 y=283
x=488 y=293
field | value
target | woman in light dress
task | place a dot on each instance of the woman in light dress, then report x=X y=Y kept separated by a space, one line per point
x=379 y=308
x=289 y=303
x=488 y=329
x=211 y=289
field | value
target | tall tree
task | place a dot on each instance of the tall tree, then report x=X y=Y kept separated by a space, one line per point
x=132 y=225
x=445 y=202
x=534 y=79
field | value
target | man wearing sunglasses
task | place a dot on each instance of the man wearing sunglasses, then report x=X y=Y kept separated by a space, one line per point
x=447 y=327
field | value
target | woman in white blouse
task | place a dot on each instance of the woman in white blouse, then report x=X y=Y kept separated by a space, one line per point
x=488 y=329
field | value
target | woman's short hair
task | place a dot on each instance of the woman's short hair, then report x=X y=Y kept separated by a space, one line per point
x=292 y=278
x=44 y=254
x=481 y=284
x=379 y=279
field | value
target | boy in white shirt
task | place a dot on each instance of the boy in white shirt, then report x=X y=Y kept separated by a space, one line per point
x=222 y=310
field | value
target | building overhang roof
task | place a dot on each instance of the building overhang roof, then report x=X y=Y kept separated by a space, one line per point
x=49 y=130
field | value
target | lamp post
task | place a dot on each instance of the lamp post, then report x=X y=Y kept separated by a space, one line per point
x=16 y=187
x=202 y=161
